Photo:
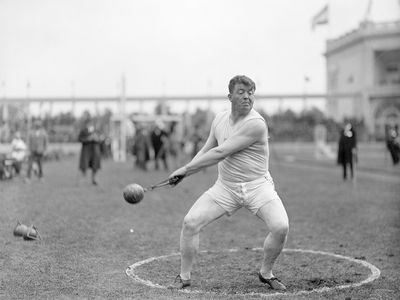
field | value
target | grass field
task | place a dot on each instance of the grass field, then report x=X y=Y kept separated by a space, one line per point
x=90 y=236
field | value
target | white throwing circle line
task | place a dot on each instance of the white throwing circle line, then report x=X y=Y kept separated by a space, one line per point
x=375 y=273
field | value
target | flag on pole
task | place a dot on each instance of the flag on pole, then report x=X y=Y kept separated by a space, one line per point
x=321 y=18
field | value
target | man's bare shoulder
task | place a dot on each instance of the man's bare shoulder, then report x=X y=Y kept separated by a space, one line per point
x=219 y=117
x=254 y=126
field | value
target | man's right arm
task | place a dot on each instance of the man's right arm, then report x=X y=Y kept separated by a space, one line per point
x=210 y=143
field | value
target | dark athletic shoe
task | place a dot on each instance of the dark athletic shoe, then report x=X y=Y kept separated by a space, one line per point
x=179 y=283
x=273 y=282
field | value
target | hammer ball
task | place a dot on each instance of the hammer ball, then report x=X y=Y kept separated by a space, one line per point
x=133 y=193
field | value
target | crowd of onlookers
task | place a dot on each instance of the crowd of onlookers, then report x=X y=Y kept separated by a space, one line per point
x=32 y=152
x=162 y=144
x=154 y=145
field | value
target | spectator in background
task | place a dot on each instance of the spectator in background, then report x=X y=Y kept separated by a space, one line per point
x=175 y=144
x=347 y=149
x=37 y=143
x=106 y=147
x=197 y=140
x=141 y=148
x=393 y=143
x=160 y=143
x=90 y=157
x=18 y=152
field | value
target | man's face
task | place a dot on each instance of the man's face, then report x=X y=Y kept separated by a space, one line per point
x=242 y=98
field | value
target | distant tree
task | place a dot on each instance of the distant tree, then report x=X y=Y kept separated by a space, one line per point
x=200 y=118
x=312 y=116
x=66 y=118
x=103 y=121
x=290 y=126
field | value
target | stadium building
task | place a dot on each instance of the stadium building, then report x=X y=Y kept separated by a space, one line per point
x=365 y=63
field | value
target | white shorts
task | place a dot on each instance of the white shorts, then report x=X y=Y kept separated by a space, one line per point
x=253 y=194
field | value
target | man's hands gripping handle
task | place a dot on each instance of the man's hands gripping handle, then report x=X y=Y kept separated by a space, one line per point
x=177 y=176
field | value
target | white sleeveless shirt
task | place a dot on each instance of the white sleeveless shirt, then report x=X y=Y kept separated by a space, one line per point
x=245 y=165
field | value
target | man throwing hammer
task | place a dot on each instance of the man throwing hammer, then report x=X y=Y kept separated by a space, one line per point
x=238 y=142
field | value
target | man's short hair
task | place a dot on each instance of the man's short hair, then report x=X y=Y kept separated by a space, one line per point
x=241 y=79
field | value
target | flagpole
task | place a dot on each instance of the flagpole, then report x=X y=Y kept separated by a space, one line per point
x=329 y=3
x=29 y=117
x=368 y=12
x=329 y=23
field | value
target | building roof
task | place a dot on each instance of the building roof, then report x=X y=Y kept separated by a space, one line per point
x=366 y=30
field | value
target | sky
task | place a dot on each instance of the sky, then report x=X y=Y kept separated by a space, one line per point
x=170 y=47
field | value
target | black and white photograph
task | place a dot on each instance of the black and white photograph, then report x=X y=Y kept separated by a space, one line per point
x=200 y=149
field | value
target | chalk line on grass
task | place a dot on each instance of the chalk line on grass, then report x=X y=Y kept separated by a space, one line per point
x=375 y=273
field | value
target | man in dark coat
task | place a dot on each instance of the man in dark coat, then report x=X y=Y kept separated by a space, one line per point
x=160 y=143
x=90 y=157
x=393 y=143
x=141 y=148
x=347 y=149
x=37 y=143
